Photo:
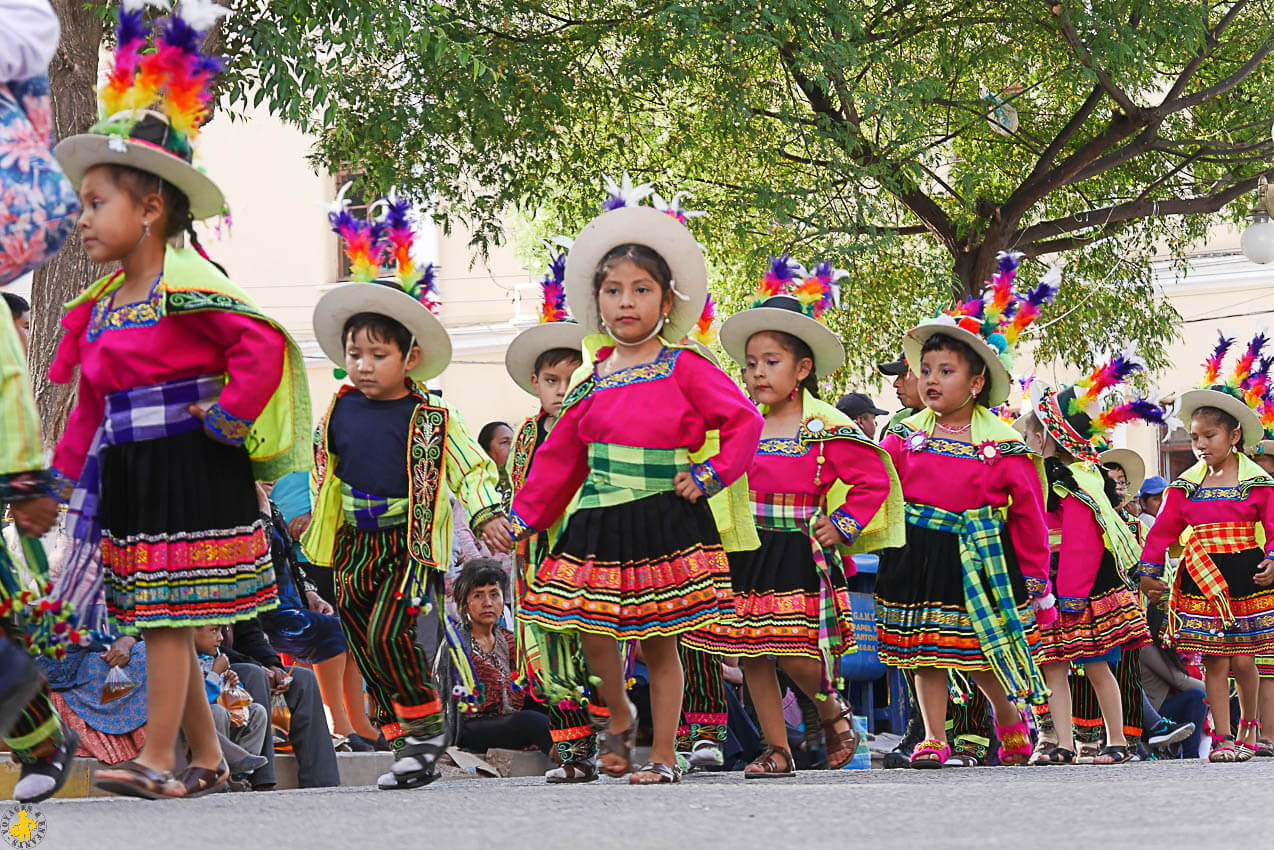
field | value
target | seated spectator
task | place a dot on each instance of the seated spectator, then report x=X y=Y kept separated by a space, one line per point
x=304 y=626
x=1175 y=695
x=247 y=726
x=501 y=722
x=111 y=724
x=262 y=674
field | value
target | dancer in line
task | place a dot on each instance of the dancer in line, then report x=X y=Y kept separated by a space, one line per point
x=388 y=454
x=818 y=482
x=1220 y=602
x=961 y=598
x=641 y=557
x=187 y=395
x=1094 y=548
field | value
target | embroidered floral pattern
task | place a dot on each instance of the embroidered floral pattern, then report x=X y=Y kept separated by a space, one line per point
x=520 y=529
x=226 y=426
x=786 y=446
x=916 y=441
x=1148 y=570
x=1071 y=604
x=1036 y=586
x=989 y=452
x=137 y=315
x=847 y=525
x=707 y=479
x=38 y=207
x=659 y=368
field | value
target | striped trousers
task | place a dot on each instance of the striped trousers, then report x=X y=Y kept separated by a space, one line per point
x=372 y=575
x=1089 y=725
x=704 y=714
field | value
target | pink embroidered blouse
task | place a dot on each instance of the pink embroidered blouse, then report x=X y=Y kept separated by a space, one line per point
x=142 y=344
x=949 y=475
x=1206 y=505
x=669 y=403
x=1079 y=553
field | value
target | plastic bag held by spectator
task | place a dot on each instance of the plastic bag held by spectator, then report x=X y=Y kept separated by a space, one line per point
x=235 y=699
x=40 y=205
x=280 y=714
x=116 y=685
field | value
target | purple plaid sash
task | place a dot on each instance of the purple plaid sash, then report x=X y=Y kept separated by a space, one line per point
x=142 y=413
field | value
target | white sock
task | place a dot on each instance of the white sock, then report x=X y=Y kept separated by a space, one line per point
x=31 y=786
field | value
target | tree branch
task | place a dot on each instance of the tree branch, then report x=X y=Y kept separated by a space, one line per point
x=1206 y=94
x=1086 y=59
x=1140 y=208
x=1210 y=43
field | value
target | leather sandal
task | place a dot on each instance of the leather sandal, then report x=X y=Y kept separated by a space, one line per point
x=841 y=746
x=618 y=744
x=1116 y=754
x=201 y=780
x=572 y=772
x=131 y=779
x=667 y=775
x=768 y=767
x=1057 y=755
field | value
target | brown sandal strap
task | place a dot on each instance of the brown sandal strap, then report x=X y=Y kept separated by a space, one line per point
x=201 y=780
x=766 y=761
x=140 y=778
x=841 y=742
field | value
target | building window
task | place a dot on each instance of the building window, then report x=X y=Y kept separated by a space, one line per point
x=1175 y=453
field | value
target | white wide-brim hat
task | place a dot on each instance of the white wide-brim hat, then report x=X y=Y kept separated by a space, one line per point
x=527 y=346
x=77 y=154
x=1264 y=447
x=1192 y=400
x=1133 y=466
x=335 y=308
x=998 y=378
x=641 y=226
x=829 y=352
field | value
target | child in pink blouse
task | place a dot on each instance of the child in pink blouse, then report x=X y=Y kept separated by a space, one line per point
x=641 y=558
x=187 y=393
x=1221 y=602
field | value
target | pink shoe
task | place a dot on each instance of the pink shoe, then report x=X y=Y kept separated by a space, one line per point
x=1015 y=743
x=930 y=754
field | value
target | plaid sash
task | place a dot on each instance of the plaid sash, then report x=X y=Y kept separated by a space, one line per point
x=799 y=512
x=363 y=510
x=988 y=595
x=622 y=474
x=142 y=413
x=1205 y=540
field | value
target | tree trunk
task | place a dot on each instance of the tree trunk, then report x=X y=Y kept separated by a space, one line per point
x=72 y=84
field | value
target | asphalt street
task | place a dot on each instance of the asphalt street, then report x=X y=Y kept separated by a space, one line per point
x=1155 y=805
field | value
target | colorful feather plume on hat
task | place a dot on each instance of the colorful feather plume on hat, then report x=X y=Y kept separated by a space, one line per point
x=625 y=193
x=359 y=238
x=705 y=330
x=673 y=207
x=1115 y=371
x=1212 y=366
x=397 y=235
x=778 y=278
x=554 y=308
x=820 y=290
x=1245 y=366
x=175 y=78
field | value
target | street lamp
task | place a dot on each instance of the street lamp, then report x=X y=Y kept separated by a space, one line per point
x=1257 y=241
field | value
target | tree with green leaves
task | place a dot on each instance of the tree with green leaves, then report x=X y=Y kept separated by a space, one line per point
x=907 y=142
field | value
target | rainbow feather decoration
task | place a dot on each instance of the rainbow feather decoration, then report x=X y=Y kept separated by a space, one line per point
x=1138 y=408
x=1112 y=373
x=998 y=299
x=186 y=97
x=778 y=278
x=399 y=237
x=1030 y=307
x=554 y=308
x=358 y=238
x=1265 y=410
x=1246 y=363
x=426 y=289
x=818 y=291
x=705 y=330
x=123 y=91
x=1212 y=366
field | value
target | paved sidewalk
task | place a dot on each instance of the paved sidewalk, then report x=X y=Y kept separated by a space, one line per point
x=1154 y=805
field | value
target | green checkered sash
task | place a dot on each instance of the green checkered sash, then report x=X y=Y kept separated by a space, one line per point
x=799 y=512
x=367 y=511
x=988 y=595
x=622 y=474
